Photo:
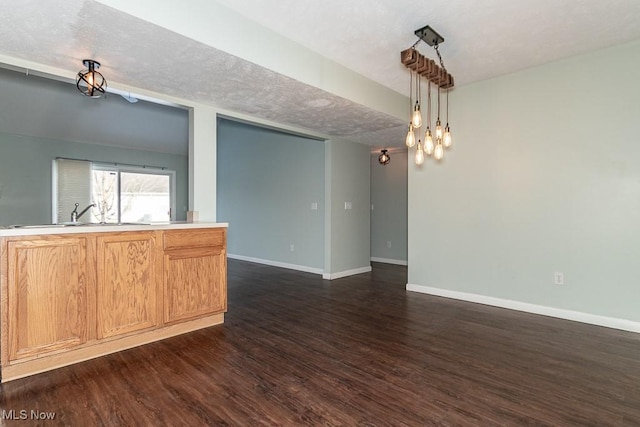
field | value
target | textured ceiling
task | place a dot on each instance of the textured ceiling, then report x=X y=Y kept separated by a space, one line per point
x=61 y=33
x=482 y=40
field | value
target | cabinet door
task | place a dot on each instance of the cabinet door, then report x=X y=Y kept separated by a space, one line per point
x=195 y=278
x=127 y=283
x=47 y=295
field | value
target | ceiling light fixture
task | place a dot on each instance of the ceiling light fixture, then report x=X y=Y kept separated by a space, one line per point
x=384 y=158
x=434 y=74
x=90 y=82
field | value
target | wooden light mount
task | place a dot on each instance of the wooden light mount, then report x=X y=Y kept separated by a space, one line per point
x=415 y=61
x=425 y=67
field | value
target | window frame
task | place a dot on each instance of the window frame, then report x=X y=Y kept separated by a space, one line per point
x=114 y=167
x=119 y=169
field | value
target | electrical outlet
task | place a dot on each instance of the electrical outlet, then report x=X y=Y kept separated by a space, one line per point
x=292 y=248
x=558 y=278
x=347 y=206
x=389 y=243
x=314 y=206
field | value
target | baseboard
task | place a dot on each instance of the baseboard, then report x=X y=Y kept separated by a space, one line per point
x=389 y=261
x=338 y=275
x=577 y=316
x=276 y=264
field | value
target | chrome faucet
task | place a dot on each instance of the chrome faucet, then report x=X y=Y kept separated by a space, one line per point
x=75 y=216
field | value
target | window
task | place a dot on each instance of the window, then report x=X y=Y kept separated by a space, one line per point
x=121 y=194
x=131 y=194
x=71 y=184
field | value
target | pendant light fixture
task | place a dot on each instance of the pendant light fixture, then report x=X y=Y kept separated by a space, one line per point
x=416 y=118
x=89 y=81
x=384 y=158
x=419 y=154
x=438 y=152
x=435 y=74
x=428 y=137
x=410 y=140
x=447 y=141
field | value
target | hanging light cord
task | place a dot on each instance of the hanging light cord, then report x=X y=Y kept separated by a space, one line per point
x=410 y=92
x=436 y=46
x=447 y=108
x=418 y=94
x=429 y=106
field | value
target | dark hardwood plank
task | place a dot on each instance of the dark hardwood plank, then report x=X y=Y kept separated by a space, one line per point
x=297 y=350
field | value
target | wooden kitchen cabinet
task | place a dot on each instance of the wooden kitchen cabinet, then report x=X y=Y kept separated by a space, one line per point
x=127 y=294
x=66 y=296
x=46 y=287
x=195 y=264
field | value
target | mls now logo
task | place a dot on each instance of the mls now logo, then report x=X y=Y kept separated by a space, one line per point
x=23 y=414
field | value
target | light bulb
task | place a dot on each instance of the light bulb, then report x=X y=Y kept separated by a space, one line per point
x=447 y=137
x=438 y=129
x=384 y=158
x=419 y=154
x=416 y=119
x=428 y=143
x=411 y=137
x=438 y=153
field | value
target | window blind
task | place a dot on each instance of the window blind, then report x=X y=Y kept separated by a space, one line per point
x=72 y=185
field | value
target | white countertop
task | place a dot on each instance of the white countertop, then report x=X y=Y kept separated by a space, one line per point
x=104 y=228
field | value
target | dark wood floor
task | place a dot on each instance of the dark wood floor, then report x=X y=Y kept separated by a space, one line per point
x=359 y=351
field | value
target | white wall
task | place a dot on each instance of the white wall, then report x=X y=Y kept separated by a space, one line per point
x=347 y=230
x=543 y=177
x=203 y=162
x=389 y=212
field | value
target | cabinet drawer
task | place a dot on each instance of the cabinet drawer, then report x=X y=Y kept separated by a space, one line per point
x=178 y=239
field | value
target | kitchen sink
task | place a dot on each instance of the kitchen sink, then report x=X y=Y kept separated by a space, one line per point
x=74 y=224
x=115 y=224
x=37 y=226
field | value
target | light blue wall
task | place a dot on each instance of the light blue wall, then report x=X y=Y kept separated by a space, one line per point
x=543 y=177
x=389 y=208
x=349 y=178
x=25 y=173
x=50 y=109
x=41 y=119
x=267 y=182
